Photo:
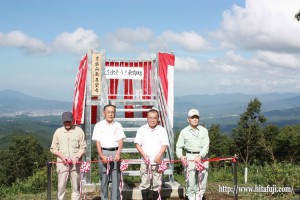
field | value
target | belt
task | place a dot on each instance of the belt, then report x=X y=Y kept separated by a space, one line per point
x=110 y=149
x=192 y=152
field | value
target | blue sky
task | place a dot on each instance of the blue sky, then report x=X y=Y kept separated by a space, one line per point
x=221 y=46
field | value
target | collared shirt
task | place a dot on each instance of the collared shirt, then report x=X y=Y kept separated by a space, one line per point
x=69 y=143
x=151 y=140
x=108 y=133
x=193 y=139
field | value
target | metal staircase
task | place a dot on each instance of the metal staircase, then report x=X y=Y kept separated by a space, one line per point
x=134 y=86
x=130 y=127
x=137 y=104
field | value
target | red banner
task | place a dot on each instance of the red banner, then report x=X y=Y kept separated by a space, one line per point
x=164 y=60
x=80 y=92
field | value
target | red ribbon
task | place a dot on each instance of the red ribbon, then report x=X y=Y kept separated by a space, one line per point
x=109 y=159
x=149 y=170
x=185 y=165
x=232 y=159
x=123 y=167
x=161 y=168
x=199 y=167
x=68 y=163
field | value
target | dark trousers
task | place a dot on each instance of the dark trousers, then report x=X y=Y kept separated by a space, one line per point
x=115 y=175
x=147 y=195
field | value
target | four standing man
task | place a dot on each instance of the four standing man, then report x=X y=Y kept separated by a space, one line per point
x=151 y=141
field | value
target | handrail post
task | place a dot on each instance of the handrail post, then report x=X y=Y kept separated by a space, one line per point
x=235 y=180
x=49 y=180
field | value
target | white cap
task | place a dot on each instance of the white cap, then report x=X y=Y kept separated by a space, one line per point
x=193 y=112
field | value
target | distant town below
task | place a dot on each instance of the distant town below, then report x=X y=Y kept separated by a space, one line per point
x=223 y=109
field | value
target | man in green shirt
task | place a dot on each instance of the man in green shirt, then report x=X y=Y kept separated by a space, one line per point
x=194 y=140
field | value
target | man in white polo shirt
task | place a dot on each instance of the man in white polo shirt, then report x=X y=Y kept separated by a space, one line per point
x=109 y=136
x=151 y=141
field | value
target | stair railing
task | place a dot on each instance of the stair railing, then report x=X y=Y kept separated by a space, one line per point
x=166 y=123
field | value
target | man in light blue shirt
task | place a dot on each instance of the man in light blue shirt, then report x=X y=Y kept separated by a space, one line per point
x=194 y=140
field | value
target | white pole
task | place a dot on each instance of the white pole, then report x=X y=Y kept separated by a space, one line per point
x=170 y=102
x=246 y=174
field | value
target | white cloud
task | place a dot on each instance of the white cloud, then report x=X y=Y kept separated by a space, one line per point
x=142 y=39
x=134 y=35
x=285 y=60
x=128 y=39
x=78 y=42
x=187 y=64
x=20 y=40
x=261 y=25
x=190 y=41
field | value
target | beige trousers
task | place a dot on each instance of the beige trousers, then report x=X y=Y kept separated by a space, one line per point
x=63 y=177
x=146 y=182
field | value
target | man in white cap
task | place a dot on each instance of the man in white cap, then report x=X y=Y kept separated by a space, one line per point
x=68 y=145
x=194 y=140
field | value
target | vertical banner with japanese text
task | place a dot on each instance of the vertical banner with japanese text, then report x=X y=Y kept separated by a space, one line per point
x=96 y=83
x=96 y=74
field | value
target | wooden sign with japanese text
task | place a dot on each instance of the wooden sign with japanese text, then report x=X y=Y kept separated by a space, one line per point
x=96 y=74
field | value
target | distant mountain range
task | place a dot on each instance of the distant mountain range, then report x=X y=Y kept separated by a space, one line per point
x=14 y=103
x=223 y=109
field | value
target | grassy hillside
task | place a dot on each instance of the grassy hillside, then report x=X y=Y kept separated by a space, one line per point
x=43 y=127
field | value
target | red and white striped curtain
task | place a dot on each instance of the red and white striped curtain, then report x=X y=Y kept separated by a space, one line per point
x=146 y=84
x=80 y=92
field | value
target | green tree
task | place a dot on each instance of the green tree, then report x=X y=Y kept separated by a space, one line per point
x=220 y=145
x=288 y=144
x=24 y=155
x=268 y=142
x=247 y=134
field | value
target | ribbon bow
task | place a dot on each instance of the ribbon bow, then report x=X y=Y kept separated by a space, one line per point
x=85 y=167
x=109 y=159
x=69 y=161
x=124 y=165
x=184 y=162
x=162 y=167
x=199 y=166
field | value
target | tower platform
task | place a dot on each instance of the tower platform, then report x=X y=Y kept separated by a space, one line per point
x=170 y=191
